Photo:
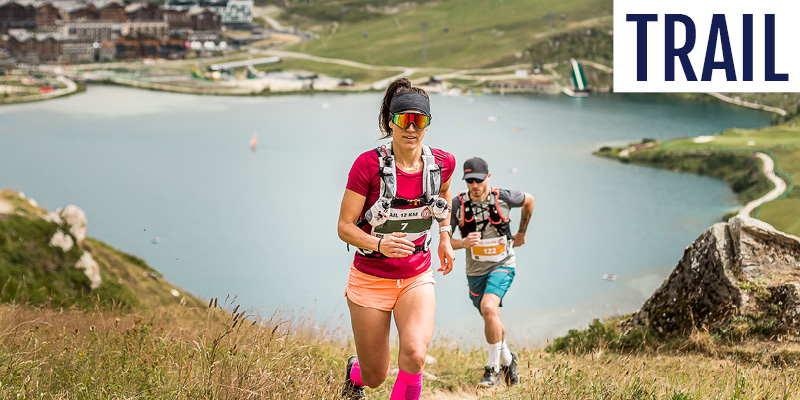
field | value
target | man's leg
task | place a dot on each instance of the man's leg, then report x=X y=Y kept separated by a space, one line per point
x=492 y=324
x=497 y=284
x=494 y=331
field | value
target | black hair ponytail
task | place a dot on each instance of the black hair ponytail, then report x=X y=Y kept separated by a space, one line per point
x=399 y=85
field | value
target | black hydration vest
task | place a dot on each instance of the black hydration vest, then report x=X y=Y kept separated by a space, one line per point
x=431 y=184
x=468 y=223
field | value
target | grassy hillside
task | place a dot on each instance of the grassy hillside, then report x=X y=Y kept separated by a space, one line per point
x=460 y=34
x=36 y=274
x=133 y=338
x=728 y=156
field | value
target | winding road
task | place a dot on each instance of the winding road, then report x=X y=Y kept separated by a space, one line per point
x=780 y=186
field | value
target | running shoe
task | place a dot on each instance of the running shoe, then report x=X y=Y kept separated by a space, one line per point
x=490 y=377
x=351 y=391
x=510 y=371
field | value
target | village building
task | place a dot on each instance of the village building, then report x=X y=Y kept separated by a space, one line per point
x=135 y=29
x=92 y=31
x=233 y=12
x=143 y=11
x=46 y=16
x=16 y=14
x=205 y=20
x=34 y=47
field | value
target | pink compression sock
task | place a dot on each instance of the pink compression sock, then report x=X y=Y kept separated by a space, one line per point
x=355 y=374
x=407 y=387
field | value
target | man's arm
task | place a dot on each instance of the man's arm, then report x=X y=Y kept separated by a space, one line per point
x=465 y=242
x=527 y=210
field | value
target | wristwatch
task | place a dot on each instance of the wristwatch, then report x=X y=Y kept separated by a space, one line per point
x=445 y=229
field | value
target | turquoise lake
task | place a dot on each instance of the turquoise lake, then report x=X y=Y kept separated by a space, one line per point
x=261 y=225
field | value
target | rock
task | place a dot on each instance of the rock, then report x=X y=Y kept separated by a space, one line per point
x=62 y=240
x=76 y=219
x=429 y=376
x=54 y=216
x=90 y=268
x=742 y=267
x=31 y=201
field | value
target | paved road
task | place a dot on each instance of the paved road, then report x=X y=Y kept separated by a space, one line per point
x=780 y=186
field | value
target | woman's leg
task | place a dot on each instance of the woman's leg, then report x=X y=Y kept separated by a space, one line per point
x=413 y=315
x=371 y=334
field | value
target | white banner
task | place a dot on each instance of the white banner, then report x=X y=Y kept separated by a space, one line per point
x=706 y=46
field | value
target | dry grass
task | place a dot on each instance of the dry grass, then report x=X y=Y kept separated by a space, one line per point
x=210 y=353
x=170 y=353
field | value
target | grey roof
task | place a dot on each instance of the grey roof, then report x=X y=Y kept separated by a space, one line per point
x=64 y=5
x=135 y=7
x=21 y=35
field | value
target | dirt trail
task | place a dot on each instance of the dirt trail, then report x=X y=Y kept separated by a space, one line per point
x=446 y=395
x=780 y=186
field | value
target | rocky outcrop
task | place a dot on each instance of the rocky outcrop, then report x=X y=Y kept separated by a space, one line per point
x=90 y=268
x=73 y=219
x=743 y=267
x=62 y=240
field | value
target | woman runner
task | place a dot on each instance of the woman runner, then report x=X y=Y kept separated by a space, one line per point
x=394 y=194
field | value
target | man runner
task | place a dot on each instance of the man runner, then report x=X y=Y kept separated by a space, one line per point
x=481 y=214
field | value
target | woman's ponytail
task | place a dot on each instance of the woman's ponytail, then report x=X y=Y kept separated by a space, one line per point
x=399 y=85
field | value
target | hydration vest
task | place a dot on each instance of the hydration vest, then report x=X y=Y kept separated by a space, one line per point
x=417 y=221
x=496 y=218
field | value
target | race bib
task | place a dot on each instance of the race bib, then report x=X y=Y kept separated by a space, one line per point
x=493 y=249
x=415 y=222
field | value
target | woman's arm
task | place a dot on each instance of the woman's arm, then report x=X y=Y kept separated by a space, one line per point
x=390 y=246
x=446 y=253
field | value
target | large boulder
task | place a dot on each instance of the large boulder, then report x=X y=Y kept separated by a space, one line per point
x=74 y=218
x=62 y=240
x=90 y=268
x=742 y=267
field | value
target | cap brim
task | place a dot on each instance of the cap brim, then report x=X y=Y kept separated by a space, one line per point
x=477 y=175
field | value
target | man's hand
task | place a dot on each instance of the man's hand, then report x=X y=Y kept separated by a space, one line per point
x=472 y=239
x=519 y=239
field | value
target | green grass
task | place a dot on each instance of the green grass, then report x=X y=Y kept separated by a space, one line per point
x=784 y=142
x=735 y=145
x=36 y=274
x=333 y=70
x=479 y=32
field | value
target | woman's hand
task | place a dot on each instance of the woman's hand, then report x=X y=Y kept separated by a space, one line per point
x=394 y=246
x=446 y=256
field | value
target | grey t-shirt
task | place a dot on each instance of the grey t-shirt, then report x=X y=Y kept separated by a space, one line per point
x=507 y=199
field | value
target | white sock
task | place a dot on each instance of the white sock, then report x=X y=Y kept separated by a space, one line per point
x=494 y=355
x=505 y=354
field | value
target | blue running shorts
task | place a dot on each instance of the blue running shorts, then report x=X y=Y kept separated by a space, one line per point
x=496 y=282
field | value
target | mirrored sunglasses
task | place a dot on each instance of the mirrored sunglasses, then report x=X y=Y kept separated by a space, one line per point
x=403 y=120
